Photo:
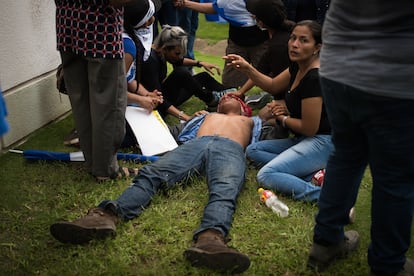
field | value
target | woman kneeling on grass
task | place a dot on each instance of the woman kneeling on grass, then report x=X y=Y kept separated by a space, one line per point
x=287 y=165
x=177 y=87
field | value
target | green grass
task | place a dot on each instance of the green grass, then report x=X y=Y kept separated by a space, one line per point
x=212 y=31
x=37 y=194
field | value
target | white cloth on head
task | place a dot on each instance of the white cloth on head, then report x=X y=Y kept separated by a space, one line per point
x=150 y=13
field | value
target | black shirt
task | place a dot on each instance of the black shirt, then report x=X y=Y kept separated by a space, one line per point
x=308 y=87
x=247 y=36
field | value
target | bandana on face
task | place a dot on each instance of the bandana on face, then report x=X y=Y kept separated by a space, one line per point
x=245 y=109
x=145 y=35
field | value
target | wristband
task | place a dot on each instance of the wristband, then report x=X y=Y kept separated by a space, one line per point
x=198 y=64
x=284 y=121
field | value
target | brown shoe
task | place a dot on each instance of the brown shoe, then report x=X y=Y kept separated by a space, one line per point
x=97 y=224
x=211 y=251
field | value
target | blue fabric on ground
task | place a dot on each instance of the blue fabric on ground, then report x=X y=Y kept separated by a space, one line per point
x=4 y=125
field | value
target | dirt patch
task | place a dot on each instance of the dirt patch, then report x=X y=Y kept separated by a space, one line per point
x=218 y=49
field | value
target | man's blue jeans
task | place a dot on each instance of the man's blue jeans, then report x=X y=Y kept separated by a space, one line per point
x=288 y=164
x=220 y=159
x=189 y=22
x=379 y=132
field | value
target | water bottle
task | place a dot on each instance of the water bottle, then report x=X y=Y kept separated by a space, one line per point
x=271 y=201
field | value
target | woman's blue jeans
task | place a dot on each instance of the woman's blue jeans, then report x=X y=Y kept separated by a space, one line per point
x=220 y=159
x=288 y=164
x=379 y=132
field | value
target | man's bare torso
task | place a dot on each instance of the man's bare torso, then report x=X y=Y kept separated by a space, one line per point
x=234 y=127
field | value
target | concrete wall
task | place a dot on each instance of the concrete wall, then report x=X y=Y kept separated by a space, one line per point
x=28 y=59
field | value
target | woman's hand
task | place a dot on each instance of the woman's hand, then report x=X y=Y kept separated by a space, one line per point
x=187 y=118
x=157 y=96
x=278 y=108
x=237 y=62
x=209 y=67
x=149 y=103
x=200 y=112
x=237 y=93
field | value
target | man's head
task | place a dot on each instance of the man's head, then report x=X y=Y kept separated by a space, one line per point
x=231 y=104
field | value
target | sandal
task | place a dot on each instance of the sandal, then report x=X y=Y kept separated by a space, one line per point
x=123 y=173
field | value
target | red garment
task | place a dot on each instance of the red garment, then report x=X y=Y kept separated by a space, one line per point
x=245 y=109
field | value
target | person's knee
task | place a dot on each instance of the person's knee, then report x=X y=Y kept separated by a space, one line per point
x=263 y=176
x=181 y=72
x=251 y=149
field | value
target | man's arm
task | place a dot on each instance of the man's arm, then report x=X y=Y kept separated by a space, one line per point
x=249 y=84
x=195 y=6
x=274 y=85
x=207 y=66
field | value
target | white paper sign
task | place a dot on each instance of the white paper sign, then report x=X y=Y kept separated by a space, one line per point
x=151 y=131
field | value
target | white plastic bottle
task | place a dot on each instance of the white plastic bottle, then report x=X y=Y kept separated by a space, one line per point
x=271 y=201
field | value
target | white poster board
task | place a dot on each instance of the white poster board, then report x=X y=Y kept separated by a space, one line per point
x=151 y=131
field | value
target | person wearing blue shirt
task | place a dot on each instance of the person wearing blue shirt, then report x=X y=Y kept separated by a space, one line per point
x=244 y=38
x=138 y=37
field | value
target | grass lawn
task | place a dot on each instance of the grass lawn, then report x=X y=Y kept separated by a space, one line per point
x=37 y=194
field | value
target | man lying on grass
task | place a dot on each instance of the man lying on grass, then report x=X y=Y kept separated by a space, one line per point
x=217 y=152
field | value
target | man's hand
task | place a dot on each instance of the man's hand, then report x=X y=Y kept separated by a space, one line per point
x=178 y=3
